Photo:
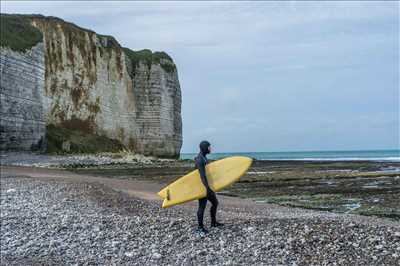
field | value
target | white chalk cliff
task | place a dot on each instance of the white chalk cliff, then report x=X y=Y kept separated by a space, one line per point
x=74 y=78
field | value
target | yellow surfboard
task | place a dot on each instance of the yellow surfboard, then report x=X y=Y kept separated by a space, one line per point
x=220 y=174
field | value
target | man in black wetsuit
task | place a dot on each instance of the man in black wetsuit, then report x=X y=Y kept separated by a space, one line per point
x=201 y=161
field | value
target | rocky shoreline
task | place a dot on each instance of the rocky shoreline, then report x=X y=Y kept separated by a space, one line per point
x=90 y=216
x=63 y=222
x=369 y=188
x=78 y=160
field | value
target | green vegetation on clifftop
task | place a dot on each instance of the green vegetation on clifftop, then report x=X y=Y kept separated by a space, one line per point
x=148 y=57
x=17 y=33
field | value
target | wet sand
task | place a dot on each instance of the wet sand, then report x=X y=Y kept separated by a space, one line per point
x=358 y=187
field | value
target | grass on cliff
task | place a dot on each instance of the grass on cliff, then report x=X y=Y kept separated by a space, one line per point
x=62 y=140
x=149 y=58
x=17 y=33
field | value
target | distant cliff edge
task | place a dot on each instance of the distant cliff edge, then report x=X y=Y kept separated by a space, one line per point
x=68 y=89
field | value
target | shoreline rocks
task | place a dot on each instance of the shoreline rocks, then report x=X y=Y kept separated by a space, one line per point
x=78 y=160
x=80 y=223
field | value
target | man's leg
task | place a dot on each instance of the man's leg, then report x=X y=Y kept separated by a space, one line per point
x=214 y=201
x=200 y=211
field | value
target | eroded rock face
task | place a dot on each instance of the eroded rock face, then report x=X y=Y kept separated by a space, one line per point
x=92 y=84
x=22 y=123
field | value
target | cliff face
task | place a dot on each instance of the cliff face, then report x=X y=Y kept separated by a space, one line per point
x=22 y=122
x=91 y=84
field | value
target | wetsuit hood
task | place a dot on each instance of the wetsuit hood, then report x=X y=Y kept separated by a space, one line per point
x=204 y=147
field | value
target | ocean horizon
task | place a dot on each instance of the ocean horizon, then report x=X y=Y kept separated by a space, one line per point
x=392 y=155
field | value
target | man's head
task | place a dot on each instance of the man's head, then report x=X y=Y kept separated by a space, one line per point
x=205 y=147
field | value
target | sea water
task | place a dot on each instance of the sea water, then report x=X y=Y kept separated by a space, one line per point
x=365 y=155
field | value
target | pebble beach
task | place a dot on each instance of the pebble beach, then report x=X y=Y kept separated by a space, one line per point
x=68 y=222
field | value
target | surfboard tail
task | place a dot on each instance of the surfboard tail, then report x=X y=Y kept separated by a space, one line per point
x=162 y=194
x=166 y=203
x=165 y=194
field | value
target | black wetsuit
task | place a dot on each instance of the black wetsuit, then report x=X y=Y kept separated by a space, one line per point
x=201 y=161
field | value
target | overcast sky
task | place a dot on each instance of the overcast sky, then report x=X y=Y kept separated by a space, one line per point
x=265 y=76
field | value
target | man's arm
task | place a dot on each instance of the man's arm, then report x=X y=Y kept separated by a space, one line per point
x=201 y=165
